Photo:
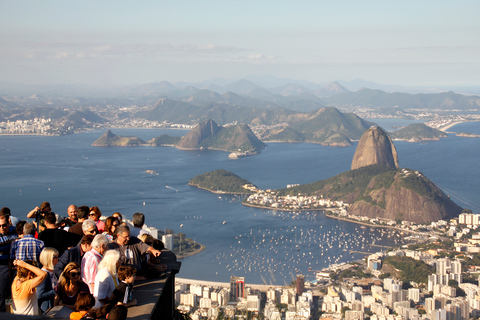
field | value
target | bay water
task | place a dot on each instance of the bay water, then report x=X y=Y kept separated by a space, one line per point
x=265 y=246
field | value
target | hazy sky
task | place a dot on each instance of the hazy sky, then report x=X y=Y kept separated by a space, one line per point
x=133 y=42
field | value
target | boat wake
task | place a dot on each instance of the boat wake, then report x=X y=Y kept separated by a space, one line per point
x=168 y=187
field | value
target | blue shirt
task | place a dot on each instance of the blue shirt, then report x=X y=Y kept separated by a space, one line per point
x=27 y=248
x=5 y=244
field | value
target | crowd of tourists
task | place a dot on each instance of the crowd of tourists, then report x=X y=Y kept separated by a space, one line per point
x=83 y=263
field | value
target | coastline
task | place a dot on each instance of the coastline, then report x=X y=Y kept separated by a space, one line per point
x=217 y=192
x=284 y=209
x=331 y=216
x=219 y=284
x=450 y=125
x=369 y=224
x=188 y=254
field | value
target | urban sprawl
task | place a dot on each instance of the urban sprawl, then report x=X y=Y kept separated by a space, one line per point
x=451 y=290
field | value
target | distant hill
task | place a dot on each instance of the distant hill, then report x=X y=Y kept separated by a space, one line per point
x=154 y=88
x=108 y=139
x=83 y=118
x=199 y=136
x=209 y=135
x=327 y=126
x=164 y=140
x=381 y=99
x=303 y=102
x=8 y=104
x=183 y=112
x=240 y=87
x=290 y=90
x=331 y=89
x=220 y=181
x=287 y=134
x=416 y=132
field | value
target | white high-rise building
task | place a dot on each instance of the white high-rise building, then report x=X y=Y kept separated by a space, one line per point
x=456 y=267
x=188 y=299
x=205 y=303
x=167 y=240
x=442 y=266
x=253 y=303
x=414 y=294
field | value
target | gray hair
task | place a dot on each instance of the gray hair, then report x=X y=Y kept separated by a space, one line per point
x=138 y=219
x=88 y=223
x=99 y=241
x=29 y=228
x=121 y=229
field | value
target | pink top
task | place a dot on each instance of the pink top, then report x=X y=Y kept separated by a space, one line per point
x=90 y=262
x=100 y=226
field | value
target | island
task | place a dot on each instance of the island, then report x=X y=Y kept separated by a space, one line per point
x=223 y=182
x=468 y=135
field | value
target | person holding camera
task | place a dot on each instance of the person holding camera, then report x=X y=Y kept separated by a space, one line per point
x=39 y=214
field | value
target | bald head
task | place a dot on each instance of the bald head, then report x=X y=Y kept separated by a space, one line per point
x=72 y=212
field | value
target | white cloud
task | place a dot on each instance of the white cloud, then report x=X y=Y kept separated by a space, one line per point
x=63 y=50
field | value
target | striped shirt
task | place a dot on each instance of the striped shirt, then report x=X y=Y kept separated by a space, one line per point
x=90 y=262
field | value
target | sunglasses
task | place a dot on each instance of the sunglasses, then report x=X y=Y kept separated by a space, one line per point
x=74 y=274
x=3 y=225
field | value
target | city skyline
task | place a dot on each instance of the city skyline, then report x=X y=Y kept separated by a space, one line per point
x=431 y=43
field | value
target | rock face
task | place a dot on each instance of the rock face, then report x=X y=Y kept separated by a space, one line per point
x=375 y=147
x=411 y=196
x=209 y=135
x=195 y=138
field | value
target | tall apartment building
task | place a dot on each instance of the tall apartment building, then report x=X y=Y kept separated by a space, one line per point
x=237 y=288
x=167 y=240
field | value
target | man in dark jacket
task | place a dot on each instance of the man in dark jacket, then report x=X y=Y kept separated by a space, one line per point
x=74 y=254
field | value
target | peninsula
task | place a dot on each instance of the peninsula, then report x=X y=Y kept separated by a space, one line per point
x=417 y=132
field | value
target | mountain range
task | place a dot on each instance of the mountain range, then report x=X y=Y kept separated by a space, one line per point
x=289 y=112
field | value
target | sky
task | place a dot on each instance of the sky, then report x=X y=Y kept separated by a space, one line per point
x=410 y=43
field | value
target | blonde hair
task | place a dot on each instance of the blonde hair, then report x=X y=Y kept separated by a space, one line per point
x=147 y=238
x=64 y=278
x=109 y=261
x=46 y=257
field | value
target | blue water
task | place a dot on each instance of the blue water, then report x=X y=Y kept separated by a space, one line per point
x=262 y=245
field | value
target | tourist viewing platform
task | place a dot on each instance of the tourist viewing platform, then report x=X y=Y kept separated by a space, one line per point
x=155 y=297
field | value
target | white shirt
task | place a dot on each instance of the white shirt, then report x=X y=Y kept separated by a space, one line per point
x=104 y=286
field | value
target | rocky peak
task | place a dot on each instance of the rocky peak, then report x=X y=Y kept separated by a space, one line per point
x=375 y=147
x=200 y=133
